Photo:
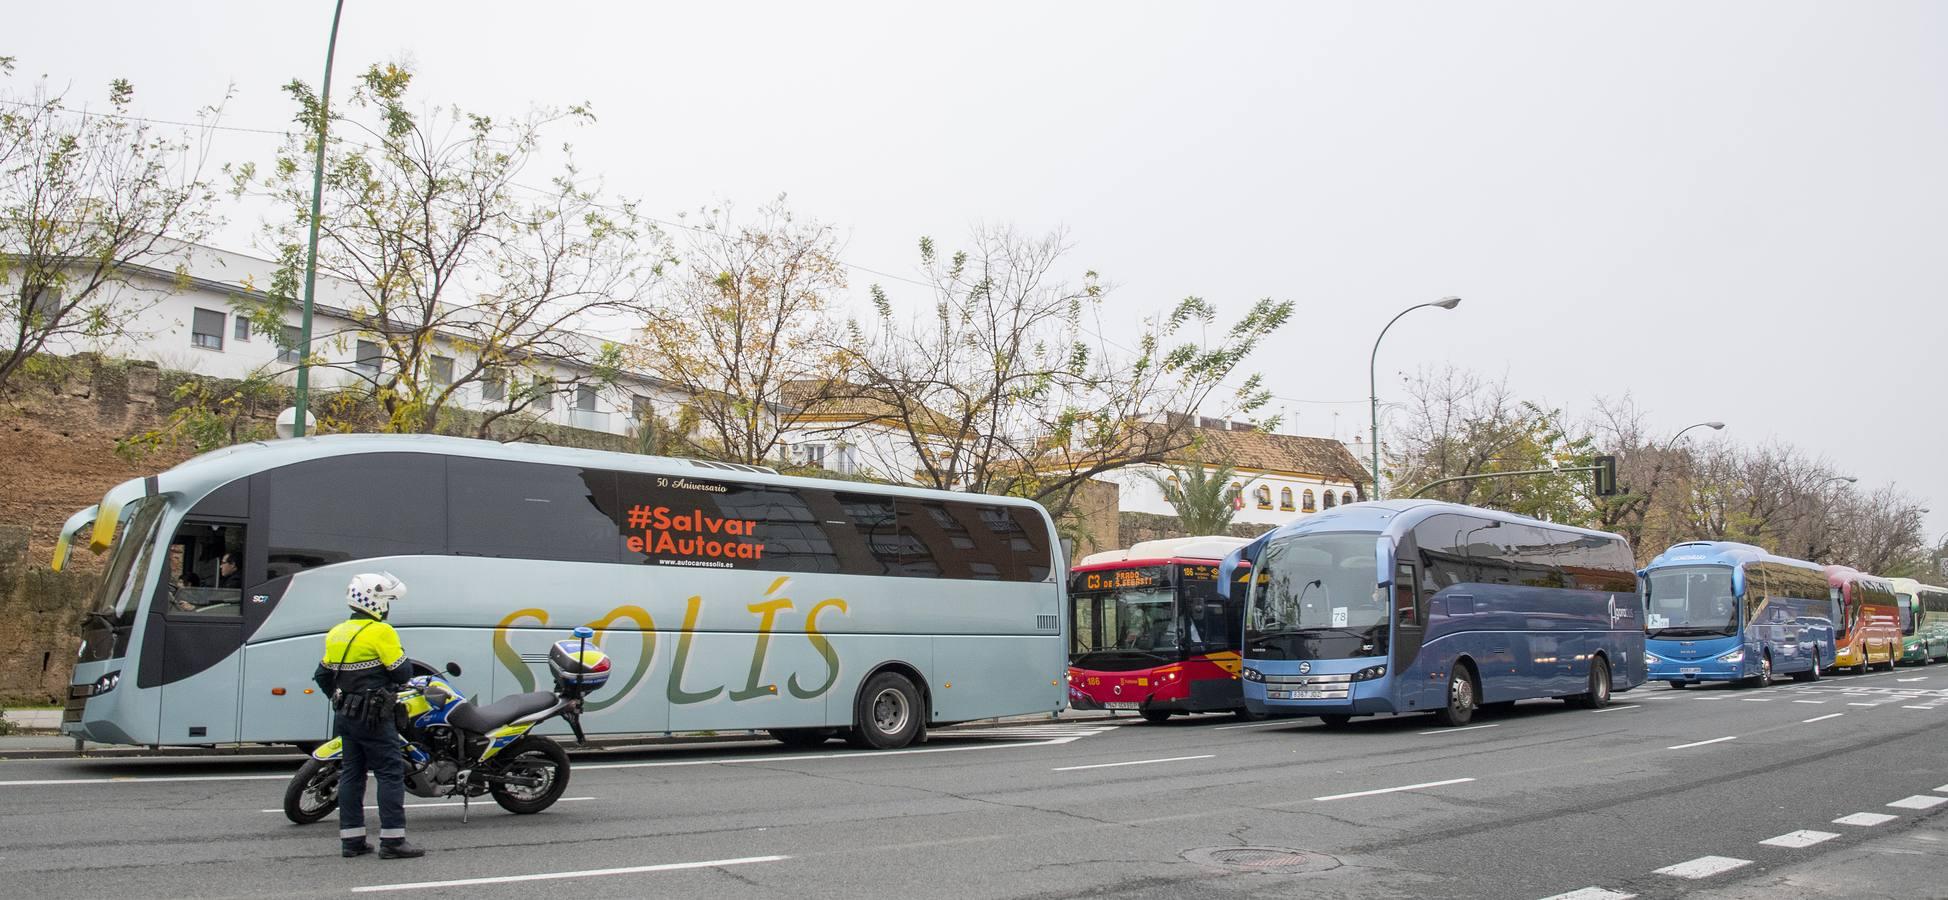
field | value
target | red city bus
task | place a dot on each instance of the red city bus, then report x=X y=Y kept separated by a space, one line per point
x=1866 y=619
x=1150 y=632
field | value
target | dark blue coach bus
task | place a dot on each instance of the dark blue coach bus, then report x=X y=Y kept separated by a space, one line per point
x=1417 y=606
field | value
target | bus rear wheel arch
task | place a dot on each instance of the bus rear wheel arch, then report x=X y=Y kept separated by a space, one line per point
x=1598 y=694
x=890 y=710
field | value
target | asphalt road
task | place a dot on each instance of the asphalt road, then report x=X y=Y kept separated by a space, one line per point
x=1669 y=792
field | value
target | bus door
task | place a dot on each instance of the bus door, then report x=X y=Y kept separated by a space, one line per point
x=197 y=613
x=1409 y=606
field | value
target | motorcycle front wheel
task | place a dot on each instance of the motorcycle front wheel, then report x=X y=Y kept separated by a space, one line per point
x=313 y=792
x=535 y=758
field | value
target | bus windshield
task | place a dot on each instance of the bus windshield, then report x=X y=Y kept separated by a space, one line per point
x=1125 y=610
x=113 y=612
x=1315 y=585
x=1692 y=601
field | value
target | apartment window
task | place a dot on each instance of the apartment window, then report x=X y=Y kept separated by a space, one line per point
x=1306 y=501
x=812 y=455
x=289 y=350
x=442 y=370
x=367 y=358
x=585 y=398
x=1328 y=499
x=1264 y=493
x=544 y=394
x=1285 y=499
x=206 y=329
x=640 y=408
x=46 y=305
x=240 y=329
x=493 y=384
x=1346 y=497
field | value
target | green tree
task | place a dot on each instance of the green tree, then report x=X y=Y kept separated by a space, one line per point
x=459 y=274
x=87 y=201
x=1202 y=497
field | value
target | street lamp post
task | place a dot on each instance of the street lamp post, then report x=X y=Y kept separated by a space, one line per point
x=302 y=398
x=1373 y=382
x=1812 y=546
x=1714 y=426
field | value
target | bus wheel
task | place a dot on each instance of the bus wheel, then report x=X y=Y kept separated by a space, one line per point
x=1598 y=695
x=1156 y=716
x=1244 y=714
x=1764 y=678
x=886 y=714
x=1336 y=720
x=1677 y=684
x=1812 y=674
x=1461 y=697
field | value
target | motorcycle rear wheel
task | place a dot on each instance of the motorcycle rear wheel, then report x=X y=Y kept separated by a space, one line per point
x=313 y=792
x=532 y=757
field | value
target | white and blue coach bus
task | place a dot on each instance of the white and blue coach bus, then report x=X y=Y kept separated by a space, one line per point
x=1417 y=606
x=1722 y=611
x=730 y=597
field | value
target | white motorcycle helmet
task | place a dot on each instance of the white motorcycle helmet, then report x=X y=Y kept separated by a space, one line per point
x=374 y=593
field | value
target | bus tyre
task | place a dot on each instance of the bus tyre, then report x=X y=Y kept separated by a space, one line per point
x=535 y=758
x=1244 y=714
x=886 y=715
x=1812 y=674
x=1598 y=695
x=1764 y=678
x=1156 y=716
x=313 y=792
x=1677 y=684
x=803 y=737
x=1462 y=695
x=1335 y=720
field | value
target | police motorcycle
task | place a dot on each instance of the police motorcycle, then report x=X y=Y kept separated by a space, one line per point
x=454 y=747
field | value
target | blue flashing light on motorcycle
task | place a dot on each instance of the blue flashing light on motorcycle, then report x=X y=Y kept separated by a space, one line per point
x=454 y=747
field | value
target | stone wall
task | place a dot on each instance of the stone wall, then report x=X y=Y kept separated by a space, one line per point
x=1137 y=527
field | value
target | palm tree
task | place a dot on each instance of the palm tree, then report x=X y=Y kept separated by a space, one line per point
x=1201 y=496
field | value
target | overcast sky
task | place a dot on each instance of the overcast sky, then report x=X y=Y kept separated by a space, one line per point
x=1732 y=211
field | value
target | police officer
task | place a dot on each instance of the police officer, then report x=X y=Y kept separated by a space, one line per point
x=361 y=671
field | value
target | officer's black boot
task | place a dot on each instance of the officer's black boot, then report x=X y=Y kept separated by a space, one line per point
x=351 y=848
x=399 y=849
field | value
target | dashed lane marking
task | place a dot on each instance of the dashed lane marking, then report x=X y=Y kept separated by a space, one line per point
x=1942 y=789
x=1919 y=801
x=1394 y=790
x=1257 y=724
x=1804 y=837
x=1702 y=743
x=1821 y=718
x=1468 y=728
x=1756 y=699
x=1814 y=702
x=1917 y=707
x=1134 y=762
x=1863 y=704
x=553 y=876
x=1865 y=819
x=1906 y=680
x=1703 y=867
x=1615 y=708
x=1591 y=893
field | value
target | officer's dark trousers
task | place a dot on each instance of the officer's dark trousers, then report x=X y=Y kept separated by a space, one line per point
x=376 y=749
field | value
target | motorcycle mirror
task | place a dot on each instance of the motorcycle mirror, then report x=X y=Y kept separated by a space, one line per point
x=584 y=632
x=453 y=669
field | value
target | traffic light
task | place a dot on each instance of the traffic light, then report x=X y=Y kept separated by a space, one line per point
x=1606 y=476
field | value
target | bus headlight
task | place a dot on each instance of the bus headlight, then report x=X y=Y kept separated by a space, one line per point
x=1734 y=656
x=105 y=684
x=1653 y=658
x=1251 y=674
x=1369 y=673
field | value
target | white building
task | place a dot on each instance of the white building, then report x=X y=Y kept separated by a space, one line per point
x=857 y=436
x=1280 y=477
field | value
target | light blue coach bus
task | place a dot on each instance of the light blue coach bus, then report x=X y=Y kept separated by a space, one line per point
x=729 y=597
x=1722 y=611
x=1416 y=606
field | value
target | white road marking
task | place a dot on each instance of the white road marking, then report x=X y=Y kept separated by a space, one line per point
x=1702 y=743
x=1815 y=702
x=1863 y=704
x=1711 y=698
x=1905 y=680
x=1865 y=820
x=1756 y=699
x=1468 y=728
x=806 y=757
x=1591 y=893
x=449 y=803
x=1821 y=718
x=1942 y=789
x=1919 y=801
x=1614 y=709
x=1917 y=707
x=1134 y=762
x=133 y=779
x=1703 y=867
x=552 y=876
x=1258 y=724
x=1804 y=837
x=1394 y=790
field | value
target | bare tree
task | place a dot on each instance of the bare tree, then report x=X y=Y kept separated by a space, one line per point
x=1456 y=423
x=84 y=198
x=463 y=276
x=999 y=389
x=743 y=330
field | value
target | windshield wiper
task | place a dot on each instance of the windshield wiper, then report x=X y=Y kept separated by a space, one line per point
x=1687 y=631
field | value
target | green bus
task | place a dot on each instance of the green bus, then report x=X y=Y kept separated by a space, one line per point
x=1924 y=620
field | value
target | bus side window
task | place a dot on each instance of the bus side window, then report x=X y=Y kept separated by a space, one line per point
x=1404 y=580
x=205 y=577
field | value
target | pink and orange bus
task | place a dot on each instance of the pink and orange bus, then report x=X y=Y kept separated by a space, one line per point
x=1867 y=618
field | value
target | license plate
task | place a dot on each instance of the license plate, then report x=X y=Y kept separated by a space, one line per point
x=1693 y=670
x=1278 y=695
x=1307 y=695
x=1119 y=704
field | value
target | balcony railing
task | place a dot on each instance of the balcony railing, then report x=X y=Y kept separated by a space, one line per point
x=589 y=419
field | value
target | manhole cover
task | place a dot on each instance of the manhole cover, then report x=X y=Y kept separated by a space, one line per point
x=1270 y=860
